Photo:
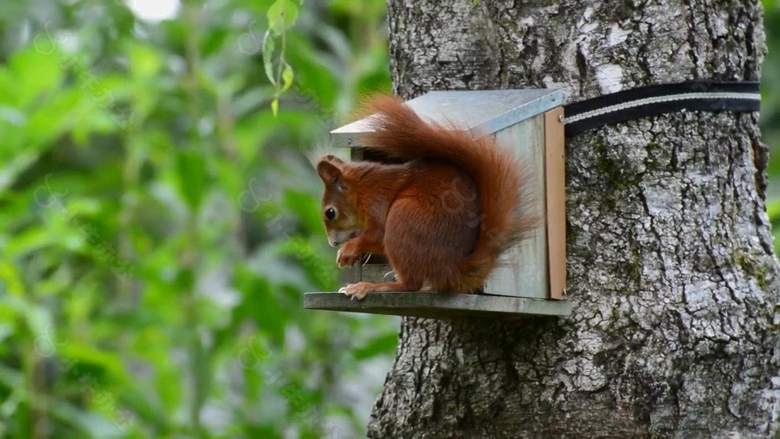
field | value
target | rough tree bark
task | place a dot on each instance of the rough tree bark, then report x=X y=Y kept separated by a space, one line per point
x=671 y=266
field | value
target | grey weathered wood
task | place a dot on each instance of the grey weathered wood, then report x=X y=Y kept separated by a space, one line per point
x=437 y=305
x=479 y=112
x=523 y=270
x=671 y=266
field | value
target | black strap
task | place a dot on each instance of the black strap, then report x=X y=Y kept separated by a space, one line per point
x=662 y=98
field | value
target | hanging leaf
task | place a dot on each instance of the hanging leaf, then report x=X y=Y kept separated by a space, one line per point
x=287 y=77
x=282 y=15
x=268 y=53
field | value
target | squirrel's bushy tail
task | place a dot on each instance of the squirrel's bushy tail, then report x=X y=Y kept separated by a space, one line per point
x=506 y=198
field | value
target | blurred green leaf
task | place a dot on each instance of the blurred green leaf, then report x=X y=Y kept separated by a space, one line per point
x=287 y=77
x=282 y=14
x=103 y=363
x=773 y=209
x=268 y=56
x=260 y=304
x=377 y=346
x=143 y=60
x=213 y=41
x=306 y=207
x=38 y=71
x=192 y=177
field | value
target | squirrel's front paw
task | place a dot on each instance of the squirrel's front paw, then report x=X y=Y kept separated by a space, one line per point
x=347 y=255
x=356 y=291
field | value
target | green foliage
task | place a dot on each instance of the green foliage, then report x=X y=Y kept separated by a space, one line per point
x=159 y=220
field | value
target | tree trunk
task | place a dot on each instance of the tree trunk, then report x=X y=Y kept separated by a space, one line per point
x=671 y=265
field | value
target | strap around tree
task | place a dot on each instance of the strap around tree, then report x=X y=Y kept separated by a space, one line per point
x=659 y=99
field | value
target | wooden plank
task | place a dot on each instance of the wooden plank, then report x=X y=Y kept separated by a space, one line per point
x=352 y=274
x=523 y=272
x=437 y=305
x=555 y=168
x=478 y=111
x=376 y=273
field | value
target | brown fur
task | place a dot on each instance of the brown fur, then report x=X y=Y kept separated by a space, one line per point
x=444 y=216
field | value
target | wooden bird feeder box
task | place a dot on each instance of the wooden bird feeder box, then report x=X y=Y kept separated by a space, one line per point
x=532 y=281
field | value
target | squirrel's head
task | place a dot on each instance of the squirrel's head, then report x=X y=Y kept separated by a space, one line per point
x=338 y=212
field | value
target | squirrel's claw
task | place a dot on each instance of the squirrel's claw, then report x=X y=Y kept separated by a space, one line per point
x=354 y=291
x=346 y=258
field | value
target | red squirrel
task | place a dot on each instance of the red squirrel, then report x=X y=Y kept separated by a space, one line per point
x=442 y=217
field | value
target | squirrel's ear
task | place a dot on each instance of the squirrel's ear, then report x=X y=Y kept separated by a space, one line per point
x=333 y=159
x=328 y=170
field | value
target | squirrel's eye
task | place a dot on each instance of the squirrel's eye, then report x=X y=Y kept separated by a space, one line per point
x=330 y=213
